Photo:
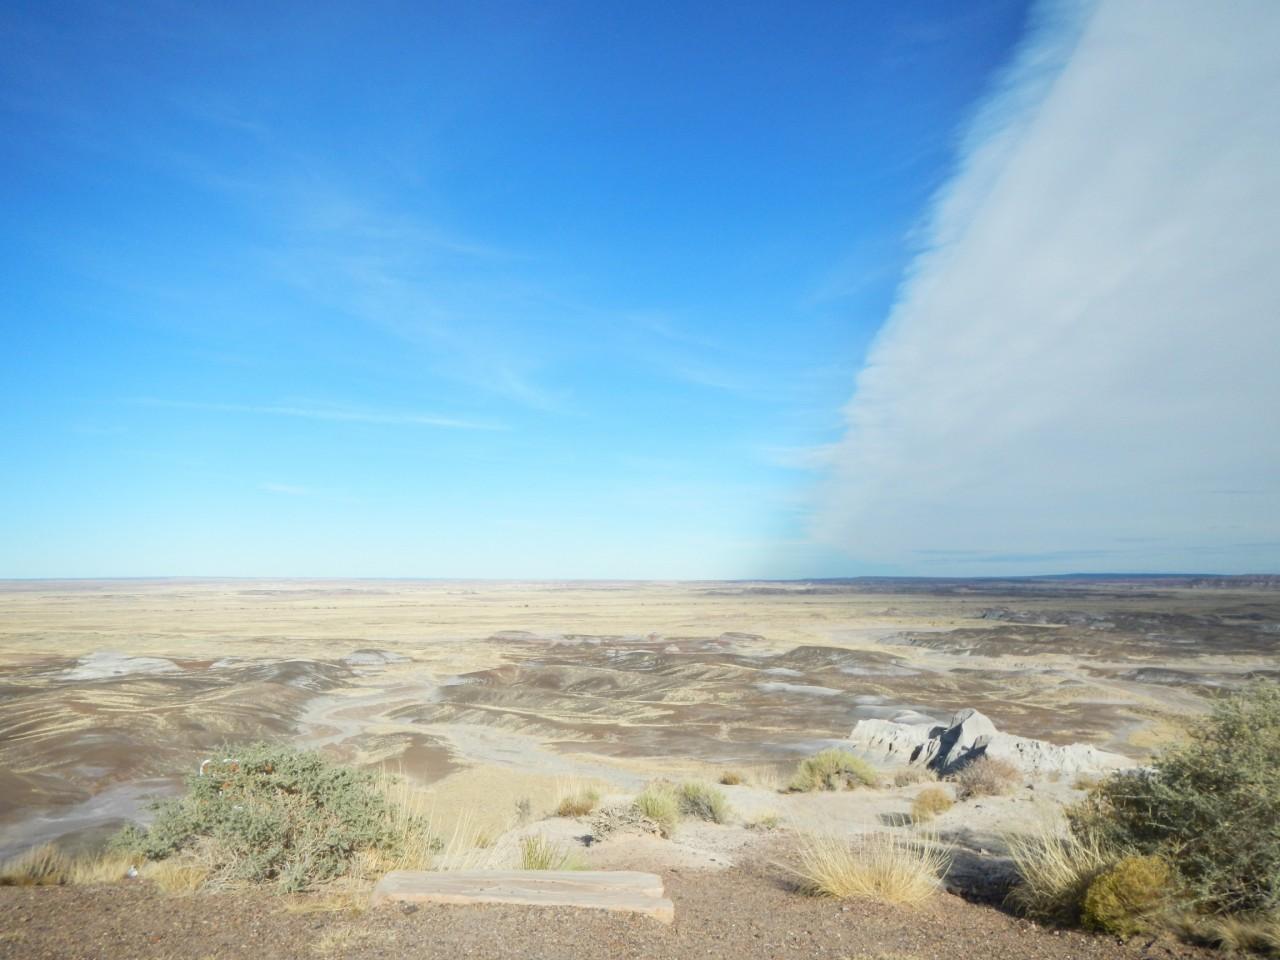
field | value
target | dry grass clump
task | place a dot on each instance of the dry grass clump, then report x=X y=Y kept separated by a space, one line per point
x=913 y=775
x=107 y=867
x=1257 y=933
x=731 y=778
x=987 y=777
x=42 y=866
x=703 y=802
x=177 y=877
x=1129 y=897
x=886 y=867
x=578 y=804
x=660 y=803
x=1055 y=868
x=929 y=803
x=765 y=822
x=539 y=853
x=833 y=769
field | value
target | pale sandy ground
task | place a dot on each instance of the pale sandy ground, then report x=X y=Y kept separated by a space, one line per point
x=500 y=692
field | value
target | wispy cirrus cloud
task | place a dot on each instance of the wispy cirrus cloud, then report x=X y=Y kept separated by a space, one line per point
x=333 y=413
x=1085 y=354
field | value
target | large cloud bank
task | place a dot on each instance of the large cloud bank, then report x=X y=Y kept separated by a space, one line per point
x=1082 y=371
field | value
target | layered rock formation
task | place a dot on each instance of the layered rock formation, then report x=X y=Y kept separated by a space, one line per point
x=969 y=735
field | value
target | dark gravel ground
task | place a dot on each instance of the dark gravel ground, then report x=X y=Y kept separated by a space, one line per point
x=746 y=913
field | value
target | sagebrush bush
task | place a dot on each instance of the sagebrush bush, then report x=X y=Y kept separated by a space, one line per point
x=1125 y=899
x=833 y=769
x=276 y=814
x=987 y=777
x=930 y=802
x=703 y=802
x=660 y=803
x=1210 y=806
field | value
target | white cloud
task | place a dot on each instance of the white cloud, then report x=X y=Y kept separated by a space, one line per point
x=1082 y=371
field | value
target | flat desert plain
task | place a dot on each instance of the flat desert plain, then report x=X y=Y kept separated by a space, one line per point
x=493 y=696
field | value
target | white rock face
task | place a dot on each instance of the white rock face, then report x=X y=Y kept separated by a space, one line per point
x=969 y=735
x=105 y=664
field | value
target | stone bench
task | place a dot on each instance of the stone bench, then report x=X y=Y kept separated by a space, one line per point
x=618 y=890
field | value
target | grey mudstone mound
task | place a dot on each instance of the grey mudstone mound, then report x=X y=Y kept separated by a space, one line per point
x=969 y=735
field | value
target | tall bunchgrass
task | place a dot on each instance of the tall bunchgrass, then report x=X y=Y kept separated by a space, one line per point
x=41 y=866
x=539 y=853
x=704 y=802
x=886 y=867
x=833 y=769
x=660 y=802
x=1055 y=867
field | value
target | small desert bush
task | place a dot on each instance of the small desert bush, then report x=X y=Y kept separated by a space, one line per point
x=41 y=866
x=886 y=867
x=1210 y=806
x=731 y=778
x=279 y=815
x=1128 y=897
x=703 y=802
x=987 y=777
x=578 y=804
x=660 y=803
x=833 y=769
x=764 y=822
x=929 y=803
x=913 y=775
x=539 y=853
x=1237 y=933
x=1055 y=868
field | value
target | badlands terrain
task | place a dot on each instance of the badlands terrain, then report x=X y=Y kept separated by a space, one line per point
x=496 y=699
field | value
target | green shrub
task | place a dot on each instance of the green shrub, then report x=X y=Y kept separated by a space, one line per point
x=279 y=815
x=1210 y=806
x=1125 y=899
x=703 y=802
x=833 y=769
x=660 y=802
x=930 y=802
x=987 y=777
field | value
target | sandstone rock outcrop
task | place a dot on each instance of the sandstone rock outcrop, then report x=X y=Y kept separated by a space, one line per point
x=969 y=735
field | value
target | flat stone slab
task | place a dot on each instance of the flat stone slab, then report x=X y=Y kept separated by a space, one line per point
x=624 y=891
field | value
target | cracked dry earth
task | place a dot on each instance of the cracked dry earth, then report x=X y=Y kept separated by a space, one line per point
x=748 y=913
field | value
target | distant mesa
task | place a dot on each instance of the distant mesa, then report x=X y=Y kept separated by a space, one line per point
x=969 y=735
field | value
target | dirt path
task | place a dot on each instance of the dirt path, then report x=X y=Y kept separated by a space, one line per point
x=745 y=914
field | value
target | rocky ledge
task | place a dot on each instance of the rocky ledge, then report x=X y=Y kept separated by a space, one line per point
x=969 y=735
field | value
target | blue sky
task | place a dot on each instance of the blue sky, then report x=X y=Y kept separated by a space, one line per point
x=512 y=290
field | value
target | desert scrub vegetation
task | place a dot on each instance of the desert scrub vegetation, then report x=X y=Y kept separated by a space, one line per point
x=833 y=769
x=886 y=867
x=703 y=802
x=1128 y=897
x=539 y=853
x=1055 y=867
x=42 y=866
x=1211 y=806
x=278 y=815
x=1191 y=843
x=731 y=778
x=987 y=777
x=578 y=804
x=929 y=803
x=913 y=775
x=660 y=803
